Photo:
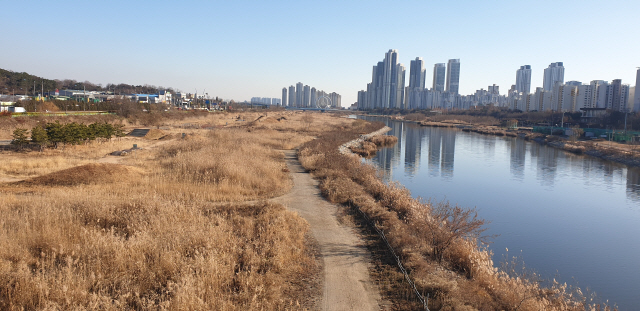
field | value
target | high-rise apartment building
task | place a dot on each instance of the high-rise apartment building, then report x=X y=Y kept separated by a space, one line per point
x=292 y=96
x=284 y=97
x=619 y=96
x=417 y=73
x=554 y=73
x=299 y=95
x=636 y=99
x=386 y=89
x=417 y=76
x=314 y=97
x=453 y=76
x=306 y=97
x=523 y=79
x=439 y=74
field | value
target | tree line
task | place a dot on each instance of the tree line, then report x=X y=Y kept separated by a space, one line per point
x=53 y=134
x=23 y=83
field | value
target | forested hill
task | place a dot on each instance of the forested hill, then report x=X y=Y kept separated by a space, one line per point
x=23 y=83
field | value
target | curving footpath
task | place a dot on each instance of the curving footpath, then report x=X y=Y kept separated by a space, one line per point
x=346 y=284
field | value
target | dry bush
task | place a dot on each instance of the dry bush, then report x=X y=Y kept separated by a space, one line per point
x=384 y=140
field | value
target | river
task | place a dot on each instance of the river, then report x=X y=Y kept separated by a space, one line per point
x=570 y=217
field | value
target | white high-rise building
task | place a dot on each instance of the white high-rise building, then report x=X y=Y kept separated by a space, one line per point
x=299 y=95
x=523 y=79
x=284 y=97
x=636 y=99
x=306 y=97
x=553 y=74
x=314 y=98
x=453 y=76
x=439 y=75
x=292 y=96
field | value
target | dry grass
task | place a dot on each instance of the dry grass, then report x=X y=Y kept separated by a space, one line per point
x=156 y=238
x=444 y=258
x=27 y=164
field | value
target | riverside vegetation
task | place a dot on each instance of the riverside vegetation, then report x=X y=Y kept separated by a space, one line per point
x=185 y=224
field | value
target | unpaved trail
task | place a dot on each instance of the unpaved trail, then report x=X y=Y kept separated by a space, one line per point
x=346 y=284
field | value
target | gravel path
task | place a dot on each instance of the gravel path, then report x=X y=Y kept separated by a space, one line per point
x=346 y=261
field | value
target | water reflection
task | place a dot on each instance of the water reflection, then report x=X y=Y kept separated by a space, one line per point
x=633 y=184
x=518 y=154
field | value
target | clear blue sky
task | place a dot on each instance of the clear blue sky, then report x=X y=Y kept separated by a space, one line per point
x=240 y=49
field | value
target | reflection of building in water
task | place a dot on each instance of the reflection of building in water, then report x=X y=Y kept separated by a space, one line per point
x=547 y=163
x=633 y=184
x=489 y=148
x=412 y=148
x=518 y=148
x=435 y=139
x=387 y=156
x=448 y=152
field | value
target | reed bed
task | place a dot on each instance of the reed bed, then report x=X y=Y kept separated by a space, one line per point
x=159 y=238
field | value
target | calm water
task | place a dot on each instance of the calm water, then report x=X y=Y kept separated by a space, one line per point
x=571 y=217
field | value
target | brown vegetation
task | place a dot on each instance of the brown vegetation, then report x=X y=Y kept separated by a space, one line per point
x=163 y=229
x=438 y=243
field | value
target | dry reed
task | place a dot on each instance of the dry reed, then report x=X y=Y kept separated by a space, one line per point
x=156 y=239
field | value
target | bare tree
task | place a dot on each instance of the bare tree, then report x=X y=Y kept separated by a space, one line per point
x=444 y=223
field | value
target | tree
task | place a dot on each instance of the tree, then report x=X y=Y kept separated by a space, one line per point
x=20 y=138
x=39 y=136
x=55 y=132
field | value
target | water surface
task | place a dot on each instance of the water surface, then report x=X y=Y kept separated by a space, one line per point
x=572 y=217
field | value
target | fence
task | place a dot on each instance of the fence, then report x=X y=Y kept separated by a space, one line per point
x=372 y=224
x=615 y=135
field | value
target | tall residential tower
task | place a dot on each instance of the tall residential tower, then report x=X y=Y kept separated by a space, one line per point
x=439 y=74
x=453 y=76
x=523 y=79
x=554 y=73
x=386 y=89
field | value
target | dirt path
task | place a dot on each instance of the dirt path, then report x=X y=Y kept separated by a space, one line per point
x=346 y=260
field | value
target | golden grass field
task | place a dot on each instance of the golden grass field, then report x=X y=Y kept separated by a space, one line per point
x=162 y=228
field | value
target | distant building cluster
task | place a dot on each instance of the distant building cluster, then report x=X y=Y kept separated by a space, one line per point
x=304 y=96
x=265 y=101
x=387 y=90
x=572 y=96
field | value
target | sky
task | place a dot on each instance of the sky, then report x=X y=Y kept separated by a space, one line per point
x=242 y=49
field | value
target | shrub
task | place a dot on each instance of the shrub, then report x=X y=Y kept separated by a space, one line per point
x=20 y=138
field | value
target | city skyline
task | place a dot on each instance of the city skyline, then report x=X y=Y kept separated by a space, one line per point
x=232 y=48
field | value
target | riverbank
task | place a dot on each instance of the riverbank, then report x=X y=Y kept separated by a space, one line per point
x=437 y=243
x=607 y=150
